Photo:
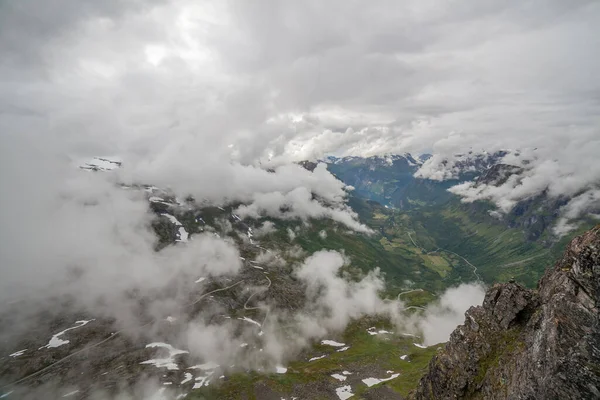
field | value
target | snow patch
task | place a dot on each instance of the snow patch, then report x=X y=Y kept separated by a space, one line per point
x=280 y=369
x=374 y=381
x=17 y=353
x=206 y=366
x=343 y=349
x=100 y=164
x=56 y=341
x=188 y=377
x=318 y=358
x=168 y=362
x=209 y=370
x=420 y=346
x=251 y=321
x=332 y=343
x=344 y=392
x=339 y=377
x=183 y=234
x=373 y=331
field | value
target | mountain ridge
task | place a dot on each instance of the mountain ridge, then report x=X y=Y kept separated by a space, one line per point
x=528 y=344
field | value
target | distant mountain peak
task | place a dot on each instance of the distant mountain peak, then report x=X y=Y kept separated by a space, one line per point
x=101 y=164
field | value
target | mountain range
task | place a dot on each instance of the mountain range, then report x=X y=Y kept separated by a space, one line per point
x=288 y=336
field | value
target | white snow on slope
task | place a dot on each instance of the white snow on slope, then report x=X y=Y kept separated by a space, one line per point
x=250 y=320
x=204 y=379
x=17 y=353
x=183 y=234
x=317 y=358
x=171 y=218
x=188 y=377
x=56 y=341
x=101 y=164
x=167 y=362
x=374 y=381
x=332 y=343
x=339 y=377
x=420 y=346
x=344 y=392
x=280 y=369
x=206 y=366
x=373 y=331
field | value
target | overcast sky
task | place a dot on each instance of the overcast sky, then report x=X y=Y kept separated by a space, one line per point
x=169 y=85
x=271 y=77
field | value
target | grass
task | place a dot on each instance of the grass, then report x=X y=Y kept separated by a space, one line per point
x=437 y=264
x=374 y=352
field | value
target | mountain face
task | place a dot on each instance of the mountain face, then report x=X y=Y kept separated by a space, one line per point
x=393 y=182
x=390 y=180
x=419 y=218
x=82 y=353
x=424 y=242
x=528 y=344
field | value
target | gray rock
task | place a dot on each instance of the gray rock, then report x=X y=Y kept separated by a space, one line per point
x=528 y=344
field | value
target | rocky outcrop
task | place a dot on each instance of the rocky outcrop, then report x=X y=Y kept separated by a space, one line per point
x=528 y=344
x=498 y=174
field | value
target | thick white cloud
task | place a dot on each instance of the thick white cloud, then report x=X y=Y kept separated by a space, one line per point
x=441 y=318
x=180 y=88
x=332 y=300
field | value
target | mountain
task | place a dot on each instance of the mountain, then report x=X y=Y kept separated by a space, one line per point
x=389 y=180
x=424 y=214
x=393 y=181
x=528 y=344
x=76 y=353
x=265 y=326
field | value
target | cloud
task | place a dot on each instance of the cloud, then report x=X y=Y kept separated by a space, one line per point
x=195 y=94
x=298 y=203
x=332 y=300
x=442 y=317
x=583 y=205
x=266 y=228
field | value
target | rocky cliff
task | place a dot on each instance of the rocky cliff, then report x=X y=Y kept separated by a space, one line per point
x=528 y=344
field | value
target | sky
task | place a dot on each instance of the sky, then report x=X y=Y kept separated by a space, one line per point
x=202 y=96
x=164 y=83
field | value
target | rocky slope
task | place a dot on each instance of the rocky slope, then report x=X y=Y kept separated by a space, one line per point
x=528 y=344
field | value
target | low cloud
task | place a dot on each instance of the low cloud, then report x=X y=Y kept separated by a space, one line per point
x=443 y=316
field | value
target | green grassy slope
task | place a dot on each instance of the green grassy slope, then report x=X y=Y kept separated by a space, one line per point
x=368 y=356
